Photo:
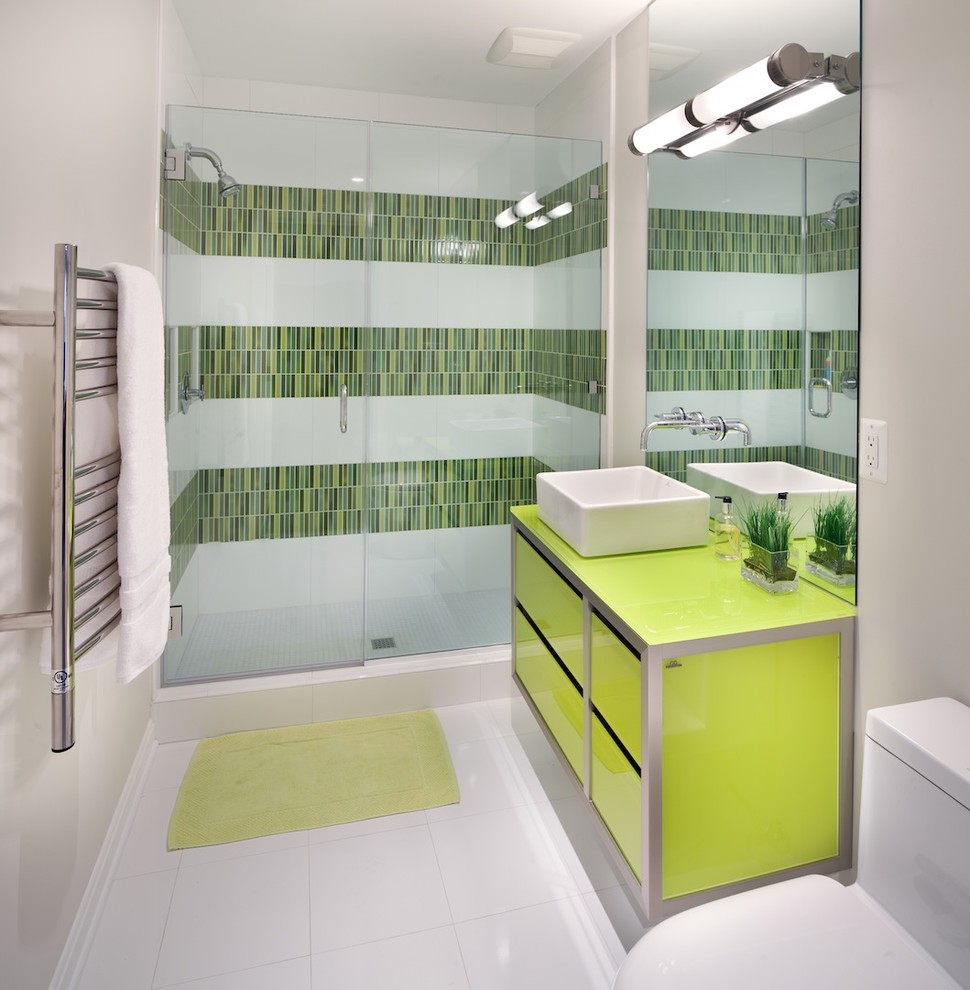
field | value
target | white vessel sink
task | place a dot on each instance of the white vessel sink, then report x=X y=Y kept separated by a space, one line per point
x=751 y=483
x=621 y=510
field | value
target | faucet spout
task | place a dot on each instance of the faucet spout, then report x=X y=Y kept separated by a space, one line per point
x=676 y=419
x=739 y=426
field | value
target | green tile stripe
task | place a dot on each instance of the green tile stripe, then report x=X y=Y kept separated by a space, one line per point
x=564 y=362
x=581 y=231
x=446 y=494
x=274 y=362
x=184 y=517
x=449 y=361
x=321 y=500
x=834 y=250
x=842 y=345
x=674 y=462
x=296 y=362
x=713 y=241
x=180 y=214
x=704 y=360
x=279 y=502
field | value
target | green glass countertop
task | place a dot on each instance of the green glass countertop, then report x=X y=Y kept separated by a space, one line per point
x=672 y=596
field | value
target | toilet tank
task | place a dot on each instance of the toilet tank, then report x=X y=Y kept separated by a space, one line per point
x=914 y=832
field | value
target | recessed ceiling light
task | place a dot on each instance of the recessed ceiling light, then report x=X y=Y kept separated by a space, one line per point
x=531 y=48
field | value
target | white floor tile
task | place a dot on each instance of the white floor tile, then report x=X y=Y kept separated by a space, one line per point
x=386 y=823
x=293 y=974
x=428 y=960
x=126 y=944
x=499 y=861
x=549 y=945
x=466 y=723
x=377 y=902
x=236 y=914
x=169 y=764
x=374 y=886
x=487 y=780
x=146 y=846
x=245 y=847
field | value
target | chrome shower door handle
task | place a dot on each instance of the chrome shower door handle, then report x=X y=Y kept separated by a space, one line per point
x=820 y=383
x=343 y=408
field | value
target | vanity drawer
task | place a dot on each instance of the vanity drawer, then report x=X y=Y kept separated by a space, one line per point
x=555 y=608
x=615 y=685
x=552 y=692
x=616 y=793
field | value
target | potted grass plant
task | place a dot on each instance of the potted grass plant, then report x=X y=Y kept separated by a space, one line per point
x=834 y=556
x=770 y=561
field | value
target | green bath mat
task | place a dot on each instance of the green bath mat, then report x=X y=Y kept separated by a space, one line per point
x=248 y=784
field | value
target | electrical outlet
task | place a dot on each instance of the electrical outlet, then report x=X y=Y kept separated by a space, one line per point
x=873 y=450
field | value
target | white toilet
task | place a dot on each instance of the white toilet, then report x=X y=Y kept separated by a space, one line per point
x=903 y=925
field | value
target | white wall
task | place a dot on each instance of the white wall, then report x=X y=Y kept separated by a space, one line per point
x=79 y=164
x=915 y=355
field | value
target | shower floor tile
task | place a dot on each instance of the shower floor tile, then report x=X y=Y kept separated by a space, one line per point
x=503 y=894
x=237 y=644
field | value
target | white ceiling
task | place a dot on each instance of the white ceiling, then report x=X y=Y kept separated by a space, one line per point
x=413 y=47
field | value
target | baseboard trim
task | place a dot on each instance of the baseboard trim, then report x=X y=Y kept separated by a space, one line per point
x=67 y=975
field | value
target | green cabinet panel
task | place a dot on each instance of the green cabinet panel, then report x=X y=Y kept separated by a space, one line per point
x=750 y=762
x=615 y=685
x=552 y=692
x=616 y=793
x=553 y=606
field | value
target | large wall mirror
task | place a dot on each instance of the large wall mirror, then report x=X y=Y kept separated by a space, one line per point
x=752 y=306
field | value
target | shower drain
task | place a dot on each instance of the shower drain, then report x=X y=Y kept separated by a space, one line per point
x=383 y=643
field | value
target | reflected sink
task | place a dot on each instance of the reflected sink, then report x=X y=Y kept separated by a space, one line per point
x=621 y=510
x=751 y=483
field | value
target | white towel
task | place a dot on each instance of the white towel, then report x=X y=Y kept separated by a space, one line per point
x=143 y=504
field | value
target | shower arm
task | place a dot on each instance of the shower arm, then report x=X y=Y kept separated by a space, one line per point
x=175 y=159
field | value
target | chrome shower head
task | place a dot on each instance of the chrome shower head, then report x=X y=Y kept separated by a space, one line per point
x=851 y=197
x=228 y=186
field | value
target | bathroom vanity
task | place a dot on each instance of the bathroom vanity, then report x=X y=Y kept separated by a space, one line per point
x=707 y=723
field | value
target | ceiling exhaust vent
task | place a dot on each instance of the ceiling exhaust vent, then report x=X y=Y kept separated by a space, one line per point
x=531 y=48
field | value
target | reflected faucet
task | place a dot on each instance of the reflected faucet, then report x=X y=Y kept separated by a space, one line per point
x=717 y=427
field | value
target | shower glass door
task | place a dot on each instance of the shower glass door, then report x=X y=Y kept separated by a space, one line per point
x=383 y=373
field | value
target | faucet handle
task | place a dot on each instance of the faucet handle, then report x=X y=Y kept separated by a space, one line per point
x=676 y=415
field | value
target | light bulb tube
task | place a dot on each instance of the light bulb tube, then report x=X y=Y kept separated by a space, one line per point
x=527 y=205
x=657 y=133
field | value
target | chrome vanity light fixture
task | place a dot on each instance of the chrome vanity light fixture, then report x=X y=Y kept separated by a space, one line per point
x=528 y=206
x=789 y=82
x=174 y=167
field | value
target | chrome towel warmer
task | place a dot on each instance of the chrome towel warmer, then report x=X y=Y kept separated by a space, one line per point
x=85 y=585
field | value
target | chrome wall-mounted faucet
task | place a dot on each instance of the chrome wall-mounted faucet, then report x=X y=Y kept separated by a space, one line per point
x=717 y=427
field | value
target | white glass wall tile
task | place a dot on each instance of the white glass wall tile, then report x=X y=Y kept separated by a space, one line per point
x=336 y=568
x=449 y=427
x=560 y=160
x=473 y=558
x=341 y=154
x=837 y=433
x=724 y=301
x=401 y=565
x=483 y=165
x=253 y=574
x=484 y=296
x=183 y=284
x=726 y=182
x=774 y=416
x=832 y=301
x=566 y=438
x=274 y=432
x=280 y=291
x=567 y=293
x=404 y=294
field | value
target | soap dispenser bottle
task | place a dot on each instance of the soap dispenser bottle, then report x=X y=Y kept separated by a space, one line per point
x=727 y=536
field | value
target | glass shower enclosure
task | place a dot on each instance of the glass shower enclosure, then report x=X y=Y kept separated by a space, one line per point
x=364 y=373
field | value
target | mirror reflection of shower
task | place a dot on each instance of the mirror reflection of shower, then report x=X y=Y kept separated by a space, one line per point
x=175 y=159
x=851 y=198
